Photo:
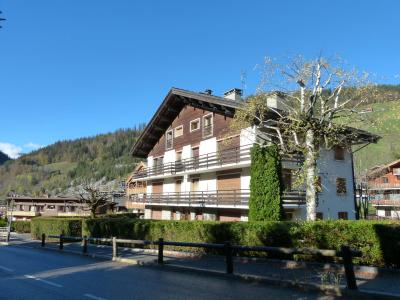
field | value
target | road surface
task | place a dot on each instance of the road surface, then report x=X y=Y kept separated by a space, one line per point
x=27 y=273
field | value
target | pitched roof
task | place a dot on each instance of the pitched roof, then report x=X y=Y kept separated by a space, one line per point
x=176 y=99
x=170 y=108
x=381 y=170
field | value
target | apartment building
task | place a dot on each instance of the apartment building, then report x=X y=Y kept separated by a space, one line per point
x=198 y=168
x=384 y=190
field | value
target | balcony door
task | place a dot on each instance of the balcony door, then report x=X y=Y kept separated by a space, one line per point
x=158 y=165
x=158 y=187
x=228 y=188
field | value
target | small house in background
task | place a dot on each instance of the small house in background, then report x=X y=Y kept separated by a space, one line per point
x=198 y=168
x=384 y=190
x=26 y=208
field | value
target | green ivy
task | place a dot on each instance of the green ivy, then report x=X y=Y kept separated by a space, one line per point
x=265 y=184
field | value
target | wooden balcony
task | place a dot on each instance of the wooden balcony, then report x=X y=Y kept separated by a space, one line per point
x=227 y=198
x=231 y=156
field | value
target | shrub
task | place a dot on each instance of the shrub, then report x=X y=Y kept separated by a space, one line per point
x=56 y=226
x=265 y=184
x=3 y=222
x=379 y=241
x=22 y=226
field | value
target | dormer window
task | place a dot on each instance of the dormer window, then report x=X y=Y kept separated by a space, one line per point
x=208 y=125
x=169 y=137
x=178 y=131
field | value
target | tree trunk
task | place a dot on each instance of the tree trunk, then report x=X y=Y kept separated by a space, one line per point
x=311 y=166
x=93 y=212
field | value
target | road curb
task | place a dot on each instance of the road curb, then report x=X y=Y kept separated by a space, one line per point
x=303 y=286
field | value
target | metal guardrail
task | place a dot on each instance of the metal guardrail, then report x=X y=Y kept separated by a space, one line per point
x=214 y=198
x=233 y=155
x=346 y=253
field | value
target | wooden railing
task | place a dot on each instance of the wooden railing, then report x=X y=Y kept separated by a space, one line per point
x=212 y=198
x=233 y=155
x=229 y=250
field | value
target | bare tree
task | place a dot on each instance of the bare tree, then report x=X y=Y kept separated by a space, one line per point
x=316 y=100
x=93 y=199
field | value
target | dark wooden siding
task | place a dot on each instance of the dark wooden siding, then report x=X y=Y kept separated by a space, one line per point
x=189 y=113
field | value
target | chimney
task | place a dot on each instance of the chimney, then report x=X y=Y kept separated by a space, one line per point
x=275 y=99
x=234 y=94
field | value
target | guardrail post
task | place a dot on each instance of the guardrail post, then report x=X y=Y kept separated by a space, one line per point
x=160 y=250
x=84 y=244
x=228 y=257
x=61 y=242
x=114 y=247
x=43 y=239
x=349 y=267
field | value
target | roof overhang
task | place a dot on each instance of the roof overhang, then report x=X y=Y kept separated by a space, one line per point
x=170 y=108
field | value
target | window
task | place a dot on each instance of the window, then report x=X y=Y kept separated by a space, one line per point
x=341 y=185
x=194 y=125
x=339 y=153
x=178 y=131
x=320 y=216
x=208 y=125
x=169 y=139
x=388 y=213
x=342 y=215
x=385 y=180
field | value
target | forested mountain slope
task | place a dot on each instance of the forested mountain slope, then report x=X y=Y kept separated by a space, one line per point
x=57 y=167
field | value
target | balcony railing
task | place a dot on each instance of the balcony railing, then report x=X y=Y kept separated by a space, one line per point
x=384 y=186
x=377 y=197
x=220 y=158
x=211 y=198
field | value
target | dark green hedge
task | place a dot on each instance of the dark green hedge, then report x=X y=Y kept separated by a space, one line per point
x=56 y=226
x=3 y=222
x=379 y=241
x=21 y=226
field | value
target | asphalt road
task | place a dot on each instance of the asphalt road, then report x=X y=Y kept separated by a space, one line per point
x=27 y=273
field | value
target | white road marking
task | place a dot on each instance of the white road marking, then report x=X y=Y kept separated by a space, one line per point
x=6 y=269
x=93 y=297
x=43 y=280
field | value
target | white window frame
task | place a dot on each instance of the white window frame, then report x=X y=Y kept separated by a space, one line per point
x=172 y=139
x=190 y=125
x=175 y=129
x=212 y=125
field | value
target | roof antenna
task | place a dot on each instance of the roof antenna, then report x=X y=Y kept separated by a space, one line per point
x=243 y=80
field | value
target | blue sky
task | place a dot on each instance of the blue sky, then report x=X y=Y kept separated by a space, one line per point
x=77 y=68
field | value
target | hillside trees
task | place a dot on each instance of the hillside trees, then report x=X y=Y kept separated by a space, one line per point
x=56 y=167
